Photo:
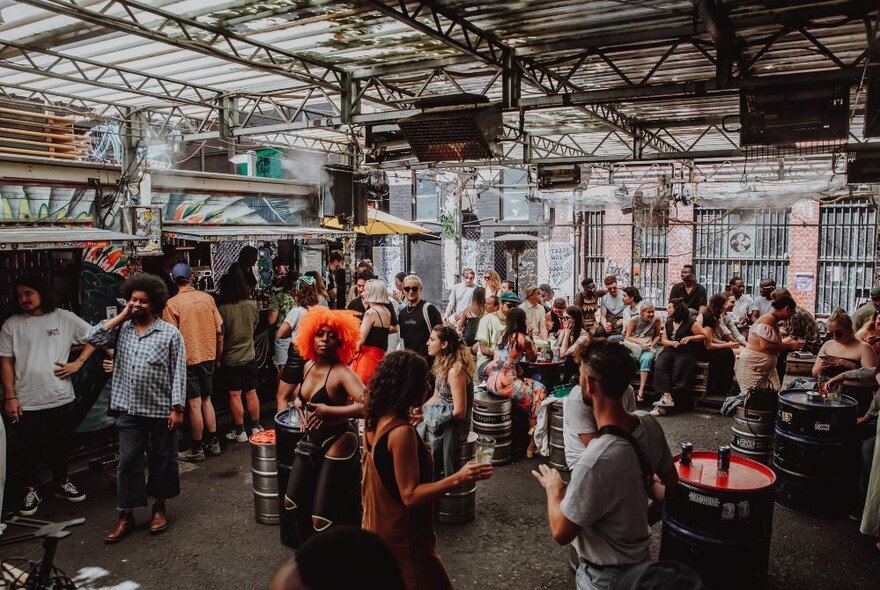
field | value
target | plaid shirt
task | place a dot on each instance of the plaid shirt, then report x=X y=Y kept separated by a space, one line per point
x=149 y=371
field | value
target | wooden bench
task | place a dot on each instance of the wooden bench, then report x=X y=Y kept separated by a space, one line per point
x=699 y=386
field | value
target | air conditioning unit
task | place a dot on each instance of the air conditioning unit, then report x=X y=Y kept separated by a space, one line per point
x=455 y=132
x=863 y=168
x=788 y=114
x=559 y=176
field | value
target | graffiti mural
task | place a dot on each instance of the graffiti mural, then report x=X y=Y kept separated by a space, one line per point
x=24 y=203
x=231 y=209
x=104 y=270
x=623 y=273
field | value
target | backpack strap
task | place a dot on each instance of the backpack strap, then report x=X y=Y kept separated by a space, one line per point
x=425 y=315
x=647 y=472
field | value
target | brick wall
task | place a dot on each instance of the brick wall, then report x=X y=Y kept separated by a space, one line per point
x=617 y=246
x=681 y=242
x=804 y=250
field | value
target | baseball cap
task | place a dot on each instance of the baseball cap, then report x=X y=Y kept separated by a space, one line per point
x=530 y=289
x=509 y=297
x=181 y=270
x=875 y=293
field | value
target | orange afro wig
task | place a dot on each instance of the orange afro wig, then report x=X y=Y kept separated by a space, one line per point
x=344 y=323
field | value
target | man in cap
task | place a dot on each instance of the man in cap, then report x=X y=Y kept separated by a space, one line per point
x=535 y=314
x=861 y=316
x=195 y=315
x=490 y=326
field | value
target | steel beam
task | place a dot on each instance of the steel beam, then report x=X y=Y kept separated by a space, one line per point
x=101 y=75
x=472 y=40
x=222 y=44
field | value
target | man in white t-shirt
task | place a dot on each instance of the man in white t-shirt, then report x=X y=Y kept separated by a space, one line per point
x=579 y=422
x=604 y=510
x=34 y=349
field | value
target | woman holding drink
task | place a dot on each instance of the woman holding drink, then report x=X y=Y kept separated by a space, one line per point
x=398 y=486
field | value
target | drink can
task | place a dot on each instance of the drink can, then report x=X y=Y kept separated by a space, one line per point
x=687 y=450
x=723 y=458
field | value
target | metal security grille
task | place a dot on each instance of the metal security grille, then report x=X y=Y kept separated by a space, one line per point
x=593 y=228
x=847 y=251
x=751 y=243
x=651 y=261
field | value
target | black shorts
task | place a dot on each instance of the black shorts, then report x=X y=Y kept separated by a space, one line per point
x=199 y=380
x=292 y=372
x=242 y=378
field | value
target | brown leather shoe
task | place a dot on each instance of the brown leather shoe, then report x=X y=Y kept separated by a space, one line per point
x=122 y=530
x=159 y=522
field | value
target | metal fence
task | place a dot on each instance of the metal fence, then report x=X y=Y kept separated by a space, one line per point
x=847 y=254
x=651 y=261
x=751 y=244
x=593 y=258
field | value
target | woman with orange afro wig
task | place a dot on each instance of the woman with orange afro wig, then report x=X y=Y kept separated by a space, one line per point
x=324 y=486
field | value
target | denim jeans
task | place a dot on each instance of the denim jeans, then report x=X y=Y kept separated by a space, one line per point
x=137 y=435
x=589 y=577
x=2 y=463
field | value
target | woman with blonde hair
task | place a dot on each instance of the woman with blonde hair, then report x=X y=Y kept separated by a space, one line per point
x=844 y=352
x=375 y=327
x=491 y=282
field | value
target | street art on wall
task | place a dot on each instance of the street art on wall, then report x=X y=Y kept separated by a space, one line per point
x=28 y=203
x=561 y=267
x=184 y=208
x=104 y=269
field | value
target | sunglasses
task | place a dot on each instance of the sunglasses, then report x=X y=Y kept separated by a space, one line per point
x=566 y=317
x=411 y=289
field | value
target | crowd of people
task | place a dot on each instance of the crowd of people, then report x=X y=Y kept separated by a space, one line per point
x=408 y=368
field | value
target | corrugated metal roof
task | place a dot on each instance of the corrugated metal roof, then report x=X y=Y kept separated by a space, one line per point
x=601 y=45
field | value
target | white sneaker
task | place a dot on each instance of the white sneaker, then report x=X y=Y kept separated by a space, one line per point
x=241 y=437
x=657 y=412
x=665 y=402
x=257 y=429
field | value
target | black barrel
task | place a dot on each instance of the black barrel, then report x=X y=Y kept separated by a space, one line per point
x=808 y=414
x=492 y=417
x=707 y=519
x=287 y=435
x=752 y=434
x=460 y=505
x=816 y=454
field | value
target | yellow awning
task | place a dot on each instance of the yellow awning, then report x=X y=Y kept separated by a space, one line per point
x=380 y=223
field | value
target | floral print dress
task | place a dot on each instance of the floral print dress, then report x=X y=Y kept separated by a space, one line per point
x=505 y=378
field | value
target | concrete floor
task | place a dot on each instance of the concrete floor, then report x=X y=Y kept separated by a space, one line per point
x=213 y=541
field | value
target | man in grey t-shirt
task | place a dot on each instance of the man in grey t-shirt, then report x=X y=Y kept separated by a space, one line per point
x=579 y=422
x=604 y=510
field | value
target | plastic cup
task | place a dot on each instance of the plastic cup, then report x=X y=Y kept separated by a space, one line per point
x=485 y=449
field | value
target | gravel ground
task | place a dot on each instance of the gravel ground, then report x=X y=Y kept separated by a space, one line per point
x=213 y=541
